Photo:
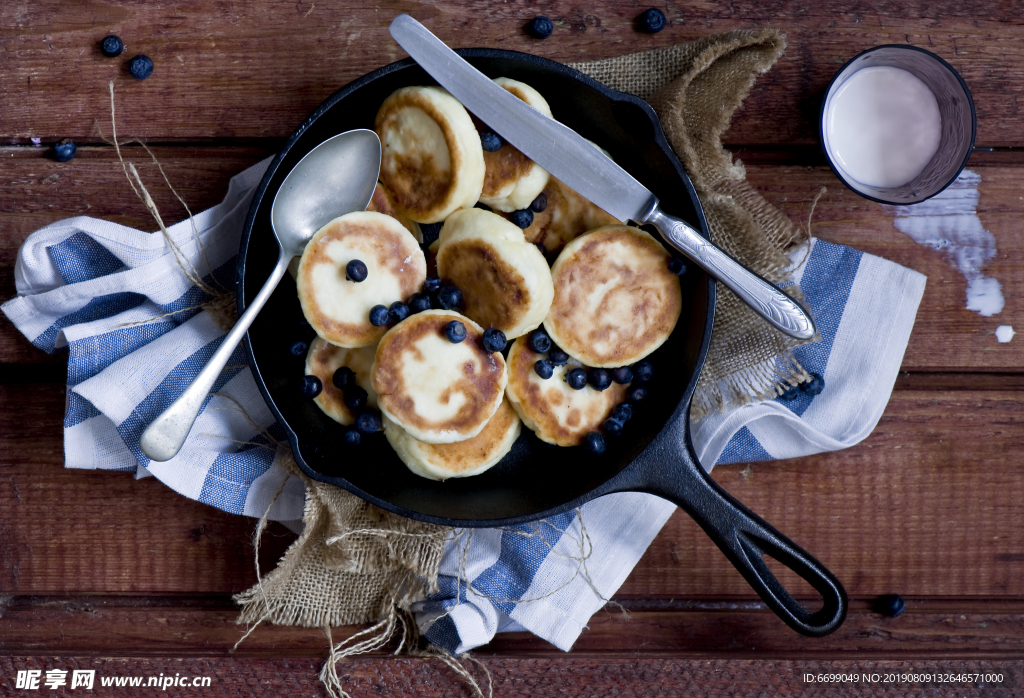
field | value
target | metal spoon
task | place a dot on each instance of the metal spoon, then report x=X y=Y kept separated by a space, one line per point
x=336 y=177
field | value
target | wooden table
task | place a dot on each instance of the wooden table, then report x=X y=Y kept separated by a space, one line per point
x=102 y=571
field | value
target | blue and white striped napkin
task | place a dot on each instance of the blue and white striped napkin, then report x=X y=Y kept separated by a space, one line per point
x=137 y=335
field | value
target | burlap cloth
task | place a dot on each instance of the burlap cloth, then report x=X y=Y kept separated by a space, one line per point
x=356 y=564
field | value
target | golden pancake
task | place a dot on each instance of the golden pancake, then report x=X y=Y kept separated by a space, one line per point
x=557 y=413
x=513 y=180
x=615 y=299
x=567 y=216
x=323 y=359
x=437 y=390
x=505 y=281
x=432 y=162
x=382 y=202
x=339 y=309
x=462 y=458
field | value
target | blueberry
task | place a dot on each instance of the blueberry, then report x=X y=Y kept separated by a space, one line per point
x=419 y=302
x=398 y=311
x=490 y=140
x=494 y=340
x=539 y=341
x=543 y=368
x=455 y=331
x=637 y=394
x=890 y=605
x=379 y=315
x=299 y=348
x=523 y=217
x=643 y=371
x=557 y=357
x=430 y=231
x=483 y=206
x=816 y=385
x=622 y=375
x=599 y=379
x=352 y=436
x=311 y=386
x=355 y=398
x=355 y=271
x=542 y=248
x=343 y=377
x=652 y=20
x=594 y=442
x=141 y=67
x=677 y=266
x=622 y=412
x=790 y=393
x=540 y=203
x=576 y=378
x=368 y=422
x=541 y=27
x=111 y=46
x=64 y=150
x=449 y=297
x=431 y=284
x=612 y=427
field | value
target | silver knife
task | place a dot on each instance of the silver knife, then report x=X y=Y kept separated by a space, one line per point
x=572 y=159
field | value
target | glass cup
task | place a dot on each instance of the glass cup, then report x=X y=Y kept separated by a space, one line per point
x=956 y=111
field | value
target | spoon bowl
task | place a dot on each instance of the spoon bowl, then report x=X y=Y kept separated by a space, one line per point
x=336 y=177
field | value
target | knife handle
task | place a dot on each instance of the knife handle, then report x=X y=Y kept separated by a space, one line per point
x=773 y=305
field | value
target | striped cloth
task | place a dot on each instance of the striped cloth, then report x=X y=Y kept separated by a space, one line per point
x=136 y=335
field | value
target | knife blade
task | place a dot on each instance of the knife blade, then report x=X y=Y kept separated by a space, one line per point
x=589 y=172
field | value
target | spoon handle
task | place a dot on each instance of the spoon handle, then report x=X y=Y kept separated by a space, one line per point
x=166 y=434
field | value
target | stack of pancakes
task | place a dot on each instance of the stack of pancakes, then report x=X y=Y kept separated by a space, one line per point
x=451 y=408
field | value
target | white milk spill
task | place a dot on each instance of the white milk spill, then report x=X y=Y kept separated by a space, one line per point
x=1004 y=333
x=949 y=222
x=883 y=126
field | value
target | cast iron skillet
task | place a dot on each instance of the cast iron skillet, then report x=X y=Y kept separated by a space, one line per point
x=534 y=480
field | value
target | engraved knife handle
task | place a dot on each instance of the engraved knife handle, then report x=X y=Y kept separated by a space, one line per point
x=767 y=301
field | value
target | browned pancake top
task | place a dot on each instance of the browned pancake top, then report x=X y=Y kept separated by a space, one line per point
x=465 y=455
x=382 y=203
x=494 y=292
x=567 y=216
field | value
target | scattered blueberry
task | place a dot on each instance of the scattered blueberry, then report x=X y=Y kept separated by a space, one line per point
x=622 y=412
x=343 y=377
x=612 y=427
x=594 y=442
x=355 y=271
x=64 y=150
x=557 y=357
x=790 y=393
x=652 y=20
x=490 y=140
x=599 y=379
x=419 y=302
x=816 y=385
x=430 y=231
x=355 y=398
x=299 y=348
x=431 y=284
x=541 y=27
x=379 y=315
x=494 y=340
x=352 y=436
x=368 y=422
x=643 y=371
x=890 y=605
x=112 y=46
x=483 y=206
x=576 y=378
x=311 y=386
x=455 y=331
x=622 y=375
x=637 y=394
x=543 y=368
x=398 y=311
x=539 y=341
x=677 y=266
x=540 y=203
x=449 y=297
x=141 y=67
x=523 y=218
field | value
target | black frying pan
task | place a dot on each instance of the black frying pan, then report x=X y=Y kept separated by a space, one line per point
x=535 y=480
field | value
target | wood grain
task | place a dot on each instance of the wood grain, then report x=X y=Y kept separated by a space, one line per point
x=257 y=69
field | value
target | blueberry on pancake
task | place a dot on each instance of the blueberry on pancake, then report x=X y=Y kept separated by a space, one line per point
x=324 y=360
